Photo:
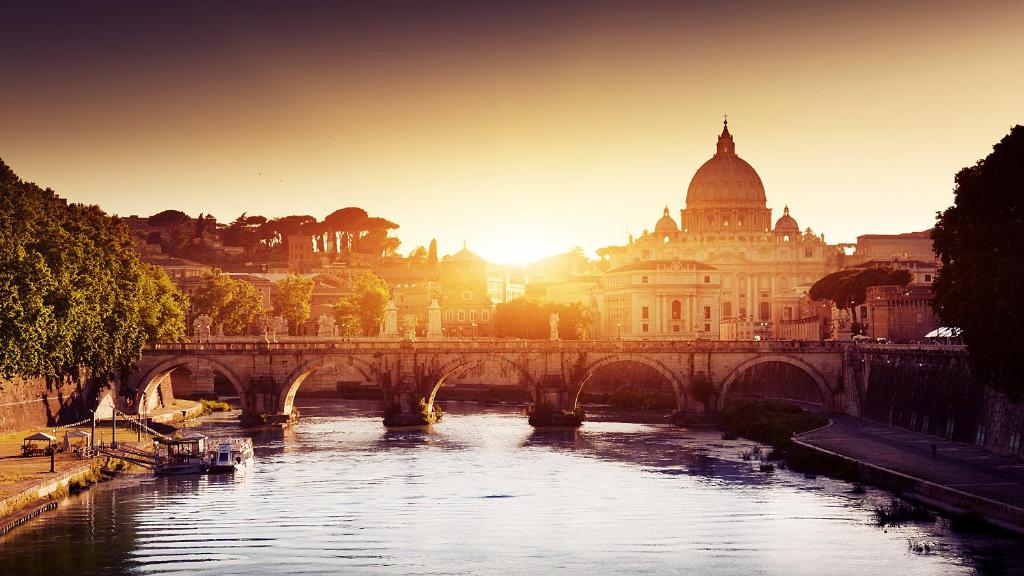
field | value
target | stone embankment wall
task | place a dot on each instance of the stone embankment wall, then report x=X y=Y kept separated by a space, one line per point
x=935 y=392
x=37 y=402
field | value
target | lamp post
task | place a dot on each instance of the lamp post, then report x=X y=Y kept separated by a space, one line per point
x=619 y=325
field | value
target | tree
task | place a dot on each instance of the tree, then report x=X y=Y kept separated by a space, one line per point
x=233 y=304
x=529 y=318
x=432 y=253
x=346 y=316
x=169 y=219
x=362 y=311
x=980 y=240
x=164 y=307
x=371 y=296
x=292 y=300
x=73 y=293
x=848 y=288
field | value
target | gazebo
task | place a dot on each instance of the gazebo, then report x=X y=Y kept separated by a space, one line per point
x=76 y=441
x=30 y=446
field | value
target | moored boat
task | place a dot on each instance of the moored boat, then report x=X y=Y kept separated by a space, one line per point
x=230 y=455
x=185 y=454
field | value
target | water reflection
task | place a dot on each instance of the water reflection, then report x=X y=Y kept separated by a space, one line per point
x=484 y=493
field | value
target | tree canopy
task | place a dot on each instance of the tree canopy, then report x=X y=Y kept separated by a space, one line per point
x=529 y=318
x=848 y=288
x=980 y=240
x=234 y=305
x=292 y=299
x=73 y=293
x=363 y=310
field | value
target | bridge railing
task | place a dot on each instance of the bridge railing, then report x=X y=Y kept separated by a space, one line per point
x=252 y=345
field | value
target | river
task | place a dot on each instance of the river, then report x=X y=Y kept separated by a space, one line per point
x=483 y=493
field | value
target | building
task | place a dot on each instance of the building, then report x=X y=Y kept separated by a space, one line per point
x=661 y=299
x=466 y=308
x=907 y=246
x=505 y=286
x=900 y=313
x=762 y=267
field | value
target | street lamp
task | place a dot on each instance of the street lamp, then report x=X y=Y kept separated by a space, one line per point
x=619 y=325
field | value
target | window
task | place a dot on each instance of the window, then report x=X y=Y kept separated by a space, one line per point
x=927 y=277
x=787 y=313
x=765 y=311
x=472 y=315
x=707 y=279
x=727 y=309
x=448 y=315
x=808 y=252
x=643 y=279
x=949 y=428
x=707 y=312
x=462 y=315
x=645 y=313
x=677 y=310
x=924 y=423
x=675 y=327
x=707 y=327
x=1015 y=443
x=486 y=315
x=645 y=327
x=979 y=436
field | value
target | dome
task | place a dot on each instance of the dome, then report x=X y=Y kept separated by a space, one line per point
x=786 y=224
x=464 y=255
x=666 y=225
x=726 y=179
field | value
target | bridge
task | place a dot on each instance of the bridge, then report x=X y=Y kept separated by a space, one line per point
x=267 y=376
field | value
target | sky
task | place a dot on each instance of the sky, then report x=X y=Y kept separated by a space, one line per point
x=522 y=128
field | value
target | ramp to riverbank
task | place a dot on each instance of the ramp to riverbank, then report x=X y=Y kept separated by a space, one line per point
x=960 y=477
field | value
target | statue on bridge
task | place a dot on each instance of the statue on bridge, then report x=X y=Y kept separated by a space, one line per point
x=553 y=323
x=272 y=325
x=201 y=328
x=325 y=326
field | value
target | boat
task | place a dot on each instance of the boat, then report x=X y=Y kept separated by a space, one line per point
x=185 y=454
x=231 y=455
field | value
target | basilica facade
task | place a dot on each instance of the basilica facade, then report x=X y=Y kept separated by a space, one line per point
x=725 y=270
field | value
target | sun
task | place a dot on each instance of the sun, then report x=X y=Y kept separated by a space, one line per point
x=518 y=251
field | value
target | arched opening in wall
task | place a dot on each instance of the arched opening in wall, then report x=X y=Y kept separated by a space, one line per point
x=337 y=381
x=774 y=380
x=485 y=380
x=628 y=389
x=181 y=386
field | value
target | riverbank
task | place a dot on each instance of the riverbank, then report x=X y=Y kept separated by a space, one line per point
x=958 y=478
x=29 y=488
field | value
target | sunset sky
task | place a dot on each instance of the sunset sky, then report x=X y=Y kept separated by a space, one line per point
x=523 y=128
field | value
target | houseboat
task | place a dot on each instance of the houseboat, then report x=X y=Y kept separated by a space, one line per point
x=186 y=454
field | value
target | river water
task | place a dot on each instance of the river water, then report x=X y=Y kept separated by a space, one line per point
x=483 y=493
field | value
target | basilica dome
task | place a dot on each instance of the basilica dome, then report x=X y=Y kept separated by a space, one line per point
x=786 y=224
x=726 y=180
x=666 y=225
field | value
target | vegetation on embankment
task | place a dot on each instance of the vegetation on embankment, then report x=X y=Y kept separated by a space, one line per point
x=769 y=421
x=774 y=423
x=211 y=406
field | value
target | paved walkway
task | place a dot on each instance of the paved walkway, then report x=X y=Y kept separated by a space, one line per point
x=958 y=465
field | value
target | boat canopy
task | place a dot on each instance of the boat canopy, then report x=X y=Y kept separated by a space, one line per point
x=944 y=332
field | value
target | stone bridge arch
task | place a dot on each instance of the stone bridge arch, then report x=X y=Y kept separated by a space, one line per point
x=440 y=373
x=297 y=376
x=591 y=369
x=147 y=382
x=824 y=389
